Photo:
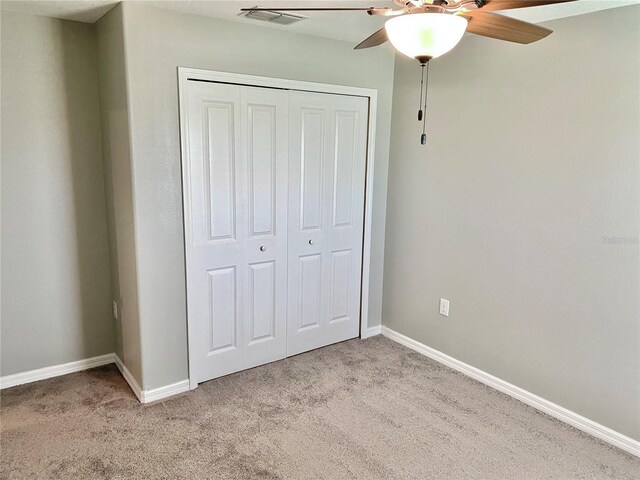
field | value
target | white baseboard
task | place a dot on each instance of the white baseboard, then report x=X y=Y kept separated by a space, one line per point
x=145 y=396
x=137 y=391
x=372 y=331
x=164 y=392
x=154 y=394
x=55 y=371
x=578 y=421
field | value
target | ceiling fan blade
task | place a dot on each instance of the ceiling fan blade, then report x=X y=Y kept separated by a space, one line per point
x=374 y=40
x=509 y=4
x=304 y=9
x=504 y=28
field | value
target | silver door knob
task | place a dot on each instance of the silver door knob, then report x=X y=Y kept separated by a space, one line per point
x=262 y=248
x=310 y=242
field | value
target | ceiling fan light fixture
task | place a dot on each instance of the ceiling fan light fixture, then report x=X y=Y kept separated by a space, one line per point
x=425 y=35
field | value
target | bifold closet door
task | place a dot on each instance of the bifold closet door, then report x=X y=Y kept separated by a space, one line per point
x=236 y=221
x=327 y=157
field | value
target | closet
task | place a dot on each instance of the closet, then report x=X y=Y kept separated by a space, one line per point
x=274 y=205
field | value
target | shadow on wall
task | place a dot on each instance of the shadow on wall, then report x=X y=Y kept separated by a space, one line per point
x=85 y=158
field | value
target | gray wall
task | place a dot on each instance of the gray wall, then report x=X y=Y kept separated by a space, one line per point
x=116 y=145
x=56 y=297
x=156 y=42
x=523 y=211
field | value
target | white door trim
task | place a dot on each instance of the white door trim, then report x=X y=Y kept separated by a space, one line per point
x=185 y=74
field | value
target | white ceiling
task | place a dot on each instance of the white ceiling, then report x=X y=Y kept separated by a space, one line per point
x=350 y=26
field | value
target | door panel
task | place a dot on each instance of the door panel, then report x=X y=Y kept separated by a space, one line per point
x=345 y=233
x=220 y=169
x=327 y=157
x=311 y=167
x=309 y=301
x=339 y=286
x=214 y=265
x=223 y=314
x=264 y=133
x=344 y=163
x=262 y=301
x=261 y=153
x=236 y=200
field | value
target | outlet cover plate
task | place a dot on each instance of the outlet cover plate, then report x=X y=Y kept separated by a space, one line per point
x=444 y=307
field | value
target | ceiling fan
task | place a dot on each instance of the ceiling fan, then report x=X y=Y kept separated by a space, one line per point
x=426 y=29
x=407 y=25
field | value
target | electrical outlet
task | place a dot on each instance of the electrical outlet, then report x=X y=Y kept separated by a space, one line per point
x=444 y=307
x=115 y=309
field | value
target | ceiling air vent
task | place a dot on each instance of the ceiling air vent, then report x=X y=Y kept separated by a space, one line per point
x=281 y=18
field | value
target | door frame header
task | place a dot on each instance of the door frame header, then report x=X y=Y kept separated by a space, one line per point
x=185 y=74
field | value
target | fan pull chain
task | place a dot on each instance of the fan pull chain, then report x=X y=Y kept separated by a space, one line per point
x=423 y=137
x=421 y=84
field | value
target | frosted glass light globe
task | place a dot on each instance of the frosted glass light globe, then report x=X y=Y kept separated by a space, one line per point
x=425 y=34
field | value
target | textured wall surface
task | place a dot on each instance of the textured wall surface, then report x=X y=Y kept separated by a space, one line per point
x=56 y=296
x=523 y=211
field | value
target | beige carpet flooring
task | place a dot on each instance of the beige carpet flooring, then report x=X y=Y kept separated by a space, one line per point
x=363 y=409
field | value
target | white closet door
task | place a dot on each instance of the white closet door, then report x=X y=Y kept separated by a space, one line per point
x=264 y=134
x=327 y=157
x=236 y=228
